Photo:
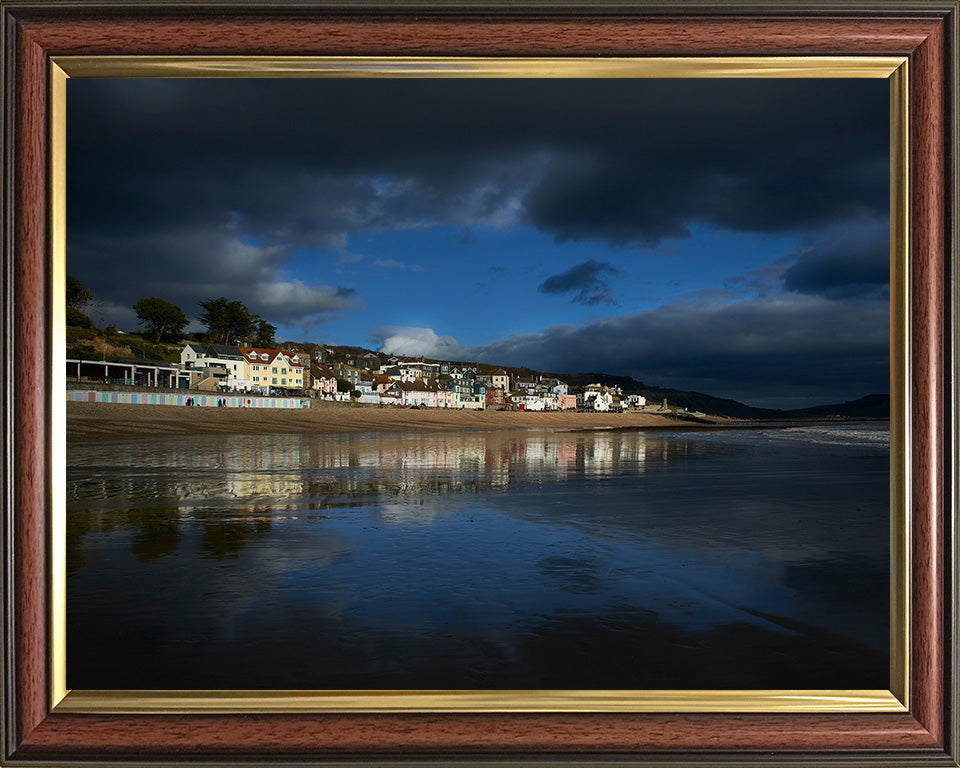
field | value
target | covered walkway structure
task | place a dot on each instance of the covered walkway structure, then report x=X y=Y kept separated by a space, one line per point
x=138 y=373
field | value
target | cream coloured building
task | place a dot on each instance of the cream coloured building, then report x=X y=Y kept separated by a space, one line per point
x=268 y=368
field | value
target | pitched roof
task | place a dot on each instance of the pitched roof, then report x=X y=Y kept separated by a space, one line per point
x=413 y=386
x=272 y=355
x=321 y=372
x=216 y=350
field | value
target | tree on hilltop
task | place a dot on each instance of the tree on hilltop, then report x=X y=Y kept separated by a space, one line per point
x=78 y=295
x=161 y=318
x=266 y=334
x=79 y=299
x=228 y=322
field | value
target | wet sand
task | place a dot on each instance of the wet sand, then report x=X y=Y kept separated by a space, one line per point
x=98 y=421
x=474 y=559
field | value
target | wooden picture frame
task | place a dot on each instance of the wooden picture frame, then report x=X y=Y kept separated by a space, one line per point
x=35 y=33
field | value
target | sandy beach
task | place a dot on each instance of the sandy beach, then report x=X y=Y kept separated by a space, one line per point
x=98 y=421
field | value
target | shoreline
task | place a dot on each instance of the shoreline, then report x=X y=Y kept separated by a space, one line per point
x=105 y=421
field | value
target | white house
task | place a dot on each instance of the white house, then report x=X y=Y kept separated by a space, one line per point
x=446 y=397
x=529 y=401
x=556 y=386
x=500 y=380
x=413 y=370
x=203 y=357
x=418 y=393
x=368 y=392
x=599 y=400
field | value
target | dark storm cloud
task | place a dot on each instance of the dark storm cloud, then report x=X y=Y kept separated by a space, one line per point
x=314 y=162
x=586 y=281
x=846 y=264
x=760 y=351
x=788 y=350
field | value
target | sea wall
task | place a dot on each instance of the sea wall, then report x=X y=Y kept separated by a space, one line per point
x=213 y=400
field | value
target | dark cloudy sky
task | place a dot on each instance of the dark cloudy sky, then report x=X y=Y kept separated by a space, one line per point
x=726 y=236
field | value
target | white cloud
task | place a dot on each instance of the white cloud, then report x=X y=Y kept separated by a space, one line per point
x=236 y=258
x=399 y=340
x=294 y=299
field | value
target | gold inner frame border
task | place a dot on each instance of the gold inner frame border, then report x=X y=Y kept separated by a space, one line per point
x=895 y=699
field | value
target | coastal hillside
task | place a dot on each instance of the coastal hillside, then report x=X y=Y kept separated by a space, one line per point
x=871 y=406
x=89 y=342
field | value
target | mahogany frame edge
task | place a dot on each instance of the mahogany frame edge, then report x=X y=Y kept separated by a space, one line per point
x=31 y=735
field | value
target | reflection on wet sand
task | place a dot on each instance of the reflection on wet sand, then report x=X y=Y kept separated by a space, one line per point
x=463 y=559
x=280 y=475
x=287 y=469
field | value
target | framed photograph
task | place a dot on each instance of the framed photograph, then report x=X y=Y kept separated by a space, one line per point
x=427 y=223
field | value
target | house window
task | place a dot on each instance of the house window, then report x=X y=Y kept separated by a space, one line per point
x=273 y=370
x=274 y=379
x=283 y=381
x=264 y=357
